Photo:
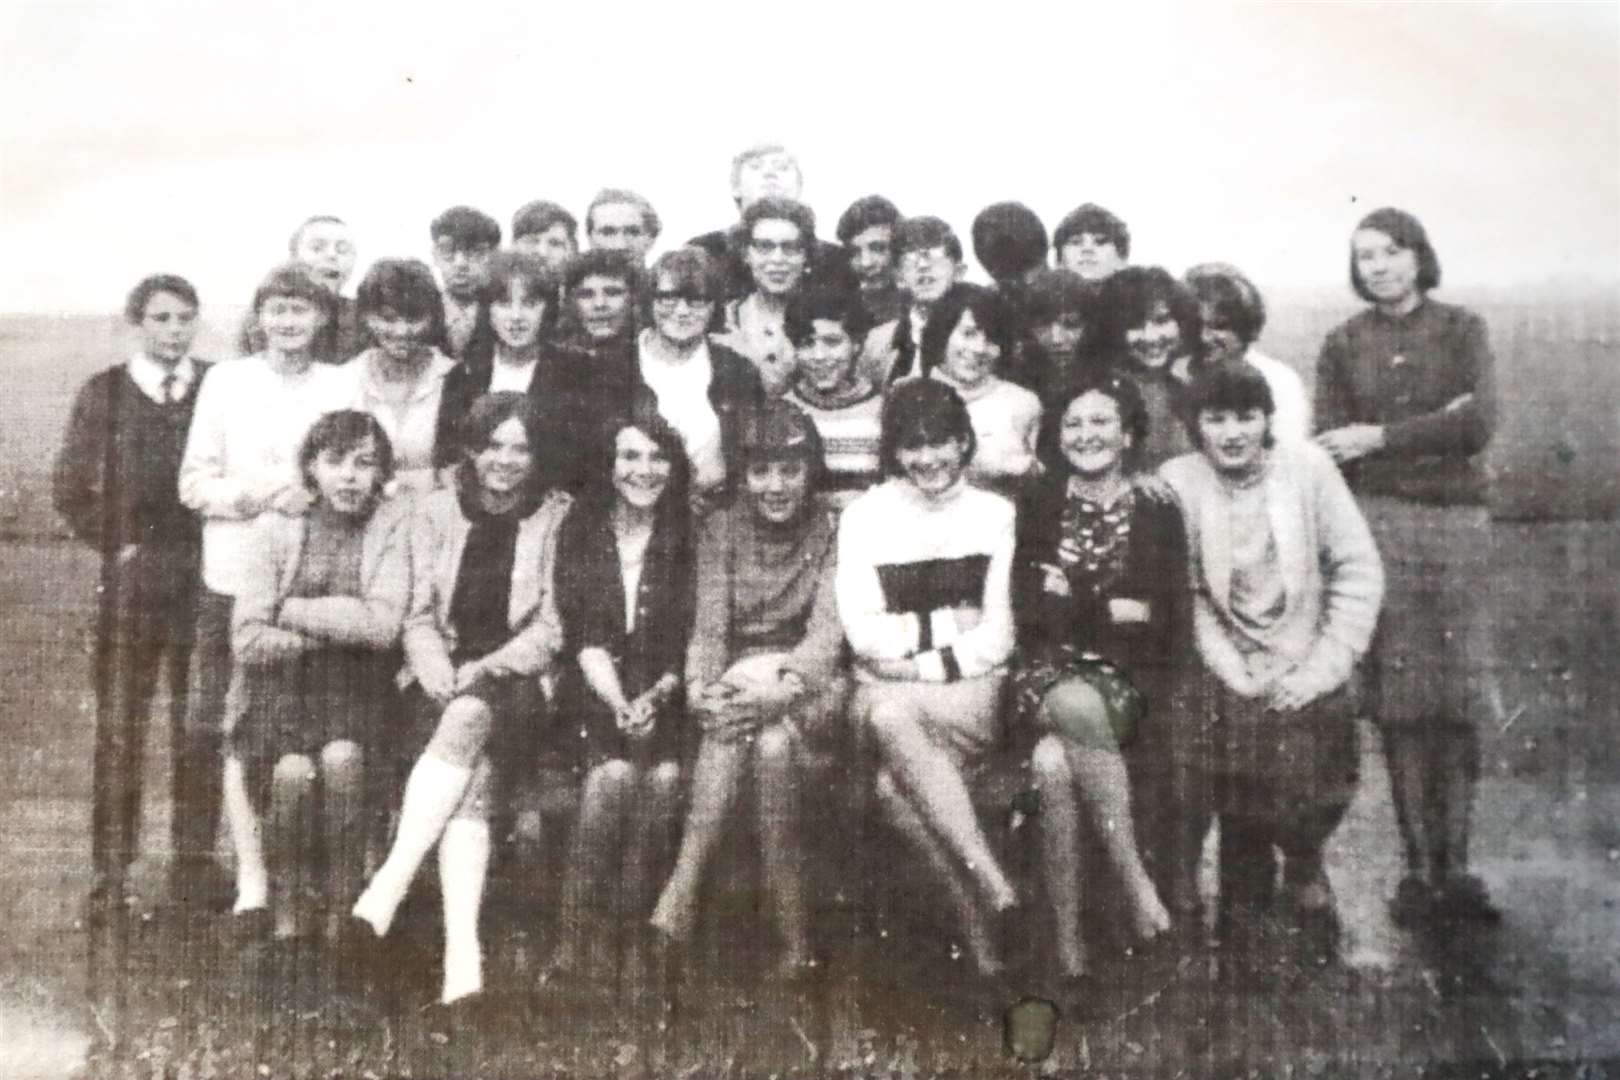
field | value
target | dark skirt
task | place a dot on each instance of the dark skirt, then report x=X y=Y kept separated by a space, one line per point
x=1265 y=766
x=1036 y=674
x=518 y=739
x=299 y=707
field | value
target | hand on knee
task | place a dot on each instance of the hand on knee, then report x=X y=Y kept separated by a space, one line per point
x=294 y=771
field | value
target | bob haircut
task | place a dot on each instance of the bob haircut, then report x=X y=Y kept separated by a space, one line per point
x=1233 y=384
x=1126 y=302
x=1233 y=296
x=490 y=411
x=149 y=286
x=923 y=233
x=1009 y=240
x=779 y=430
x=831 y=305
x=690 y=272
x=534 y=279
x=540 y=216
x=303 y=226
x=295 y=280
x=341 y=431
x=759 y=150
x=405 y=286
x=1108 y=378
x=1093 y=219
x=600 y=263
x=773 y=208
x=1050 y=294
x=867 y=212
x=923 y=412
x=466 y=227
x=990 y=314
x=608 y=196
x=1407 y=232
x=642 y=415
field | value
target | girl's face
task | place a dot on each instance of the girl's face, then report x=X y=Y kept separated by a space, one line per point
x=681 y=315
x=1221 y=342
x=776 y=256
x=503 y=465
x=603 y=306
x=347 y=480
x=290 y=323
x=641 y=469
x=970 y=355
x=933 y=468
x=398 y=335
x=1155 y=342
x=1093 y=436
x=1389 y=271
x=1234 y=440
x=827 y=360
x=168 y=327
x=1062 y=335
x=327 y=248
x=778 y=488
x=516 y=317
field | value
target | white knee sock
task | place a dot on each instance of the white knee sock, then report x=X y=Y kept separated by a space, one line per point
x=252 y=878
x=463 y=863
x=431 y=795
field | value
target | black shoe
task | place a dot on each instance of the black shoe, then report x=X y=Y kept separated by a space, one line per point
x=1464 y=899
x=357 y=959
x=1413 y=903
x=459 y=1020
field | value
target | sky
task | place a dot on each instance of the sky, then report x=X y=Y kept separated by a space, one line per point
x=192 y=137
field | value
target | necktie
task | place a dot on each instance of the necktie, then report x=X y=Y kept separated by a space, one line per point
x=170 y=389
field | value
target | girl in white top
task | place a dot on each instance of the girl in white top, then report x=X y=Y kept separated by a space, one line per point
x=241 y=460
x=1233 y=314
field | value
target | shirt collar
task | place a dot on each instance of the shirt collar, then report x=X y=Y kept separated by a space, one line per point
x=148 y=374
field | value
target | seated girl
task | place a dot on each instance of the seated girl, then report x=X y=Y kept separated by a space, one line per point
x=480 y=635
x=314 y=630
x=762 y=670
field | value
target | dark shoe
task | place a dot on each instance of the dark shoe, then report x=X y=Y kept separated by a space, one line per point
x=459 y=1020
x=1413 y=903
x=1464 y=899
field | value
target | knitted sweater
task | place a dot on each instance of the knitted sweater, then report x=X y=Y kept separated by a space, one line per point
x=1332 y=578
x=929 y=578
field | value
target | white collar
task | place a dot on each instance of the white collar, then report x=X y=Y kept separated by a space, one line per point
x=148 y=375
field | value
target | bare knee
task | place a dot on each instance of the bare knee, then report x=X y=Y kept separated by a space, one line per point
x=1050 y=762
x=294 y=771
x=463 y=729
x=773 y=747
x=891 y=721
x=1078 y=710
x=663 y=779
x=341 y=756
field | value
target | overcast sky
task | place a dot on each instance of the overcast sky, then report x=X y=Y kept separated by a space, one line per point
x=191 y=137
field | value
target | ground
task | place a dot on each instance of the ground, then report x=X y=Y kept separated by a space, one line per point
x=1542 y=988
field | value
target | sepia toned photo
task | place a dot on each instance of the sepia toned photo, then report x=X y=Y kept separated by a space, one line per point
x=787 y=541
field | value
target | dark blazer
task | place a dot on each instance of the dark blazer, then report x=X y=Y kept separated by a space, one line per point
x=481 y=346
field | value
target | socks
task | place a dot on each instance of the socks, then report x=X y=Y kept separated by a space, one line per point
x=431 y=795
x=463 y=863
x=252 y=876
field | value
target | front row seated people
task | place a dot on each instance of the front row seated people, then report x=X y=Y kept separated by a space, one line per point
x=314 y=631
x=923 y=588
x=480 y=633
x=763 y=672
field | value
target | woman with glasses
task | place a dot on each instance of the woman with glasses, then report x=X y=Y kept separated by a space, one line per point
x=702 y=388
x=776 y=236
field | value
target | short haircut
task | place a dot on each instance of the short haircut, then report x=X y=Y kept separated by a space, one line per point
x=1407 y=232
x=777 y=429
x=314 y=219
x=466 y=227
x=1008 y=240
x=776 y=208
x=690 y=271
x=649 y=216
x=490 y=411
x=532 y=274
x=294 y=279
x=1050 y=294
x=923 y=412
x=1231 y=384
x=1128 y=298
x=842 y=306
x=600 y=263
x=923 y=233
x=341 y=431
x=990 y=313
x=1236 y=301
x=540 y=216
x=1093 y=219
x=405 y=286
x=149 y=286
x=864 y=213
x=759 y=150
x=1111 y=381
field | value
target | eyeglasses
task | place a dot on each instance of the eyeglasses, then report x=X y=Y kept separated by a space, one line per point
x=919 y=257
x=792 y=249
x=691 y=300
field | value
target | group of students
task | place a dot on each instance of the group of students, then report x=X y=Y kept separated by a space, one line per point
x=773 y=515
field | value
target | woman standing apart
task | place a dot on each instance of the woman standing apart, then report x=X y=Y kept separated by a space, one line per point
x=1287 y=585
x=626 y=597
x=1406 y=402
x=480 y=635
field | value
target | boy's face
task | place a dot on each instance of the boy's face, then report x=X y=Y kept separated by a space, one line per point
x=871 y=256
x=463 y=264
x=621 y=226
x=927 y=272
x=1091 y=255
x=775 y=173
x=553 y=245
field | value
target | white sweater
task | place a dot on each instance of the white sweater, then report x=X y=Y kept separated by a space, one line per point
x=243 y=445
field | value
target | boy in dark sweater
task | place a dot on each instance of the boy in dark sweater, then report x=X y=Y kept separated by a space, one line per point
x=116 y=485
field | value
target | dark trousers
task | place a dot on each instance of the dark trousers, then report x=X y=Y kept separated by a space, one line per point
x=144 y=628
x=200 y=766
